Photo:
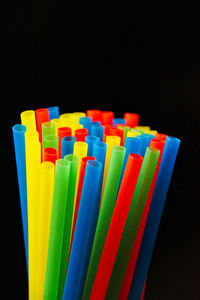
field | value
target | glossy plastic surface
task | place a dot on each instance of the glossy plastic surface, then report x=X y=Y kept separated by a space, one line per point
x=68 y=145
x=62 y=132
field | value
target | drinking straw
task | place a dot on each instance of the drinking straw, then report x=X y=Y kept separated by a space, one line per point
x=73 y=164
x=68 y=145
x=84 y=233
x=132 y=222
x=75 y=127
x=54 y=256
x=62 y=132
x=50 y=154
x=51 y=141
x=107 y=117
x=133 y=133
x=105 y=215
x=131 y=145
x=48 y=128
x=118 y=121
x=142 y=127
x=97 y=130
x=53 y=112
x=118 y=132
x=41 y=115
x=66 y=119
x=110 y=141
x=28 y=119
x=99 y=152
x=33 y=160
x=79 y=191
x=95 y=114
x=132 y=119
x=90 y=140
x=135 y=250
x=125 y=129
x=116 y=226
x=57 y=123
x=43 y=226
x=20 y=158
x=161 y=136
x=155 y=212
x=77 y=116
x=151 y=131
x=80 y=134
x=145 y=141
x=86 y=122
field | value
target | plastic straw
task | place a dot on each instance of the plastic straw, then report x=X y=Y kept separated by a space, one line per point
x=42 y=115
x=59 y=206
x=105 y=215
x=107 y=117
x=161 y=136
x=132 y=222
x=95 y=114
x=116 y=227
x=86 y=122
x=79 y=191
x=20 y=157
x=135 y=250
x=50 y=154
x=68 y=145
x=84 y=233
x=62 y=132
x=28 y=119
x=53 y=112
x=110 y=141
x=125 y=129
x=145 y=141
x=133 y=133
x=73 y=164
x=154 y=216
x=118 y=121
x=132 y=146
x=66 y=119
x=132 y=119
x=77 y=116
x=57 y=123
x=97 y=130
x=48 y=128
x=90 y=140
x=33 y=160
x=80 y=134
x=44 y=218
x=51 y=141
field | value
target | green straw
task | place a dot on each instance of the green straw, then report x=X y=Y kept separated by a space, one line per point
x=50 y=141
x=48 y=128
x=56 y=230
x=105 y=215
x=132 y=222
x=73 y=164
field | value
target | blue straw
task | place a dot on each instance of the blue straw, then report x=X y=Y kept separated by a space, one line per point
x=154 y=216
x=84 y=233
x=86 y=122
x=90 y=139
x=97 y=130
x=132 y=145
x=119 y=121
x=145 y=141
x=53 y=112
x=68 y=145
x=20 y=157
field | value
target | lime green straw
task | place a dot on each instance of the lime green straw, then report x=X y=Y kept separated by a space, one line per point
x=105 y=215
x=73 y=164
x=56 y=230
x=48 y=128
x=132 y=222
x=50 y=141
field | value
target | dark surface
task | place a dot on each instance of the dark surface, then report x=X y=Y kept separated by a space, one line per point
x=111 y=56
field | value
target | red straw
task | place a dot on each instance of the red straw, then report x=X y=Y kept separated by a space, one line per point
x=160 y=136
x=79 y=190
x=95 y=114
x=132 y=119
x=124 y=292
x=80 y=134
x=50 y=154
x=116 y=228
x=62 y=132
x=107 y=118
x=41 y=115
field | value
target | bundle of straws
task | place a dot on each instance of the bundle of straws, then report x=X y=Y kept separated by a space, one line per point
x=92 y=191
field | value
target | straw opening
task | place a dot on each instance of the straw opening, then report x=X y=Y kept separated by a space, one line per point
x=19 y=128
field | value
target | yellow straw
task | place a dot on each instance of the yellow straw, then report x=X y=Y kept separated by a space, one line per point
x=44 y=218
x=57 y=123
x=33 y=160
x=133 y=133
x=28 y=119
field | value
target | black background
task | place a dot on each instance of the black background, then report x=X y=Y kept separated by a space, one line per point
x=110 y=55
